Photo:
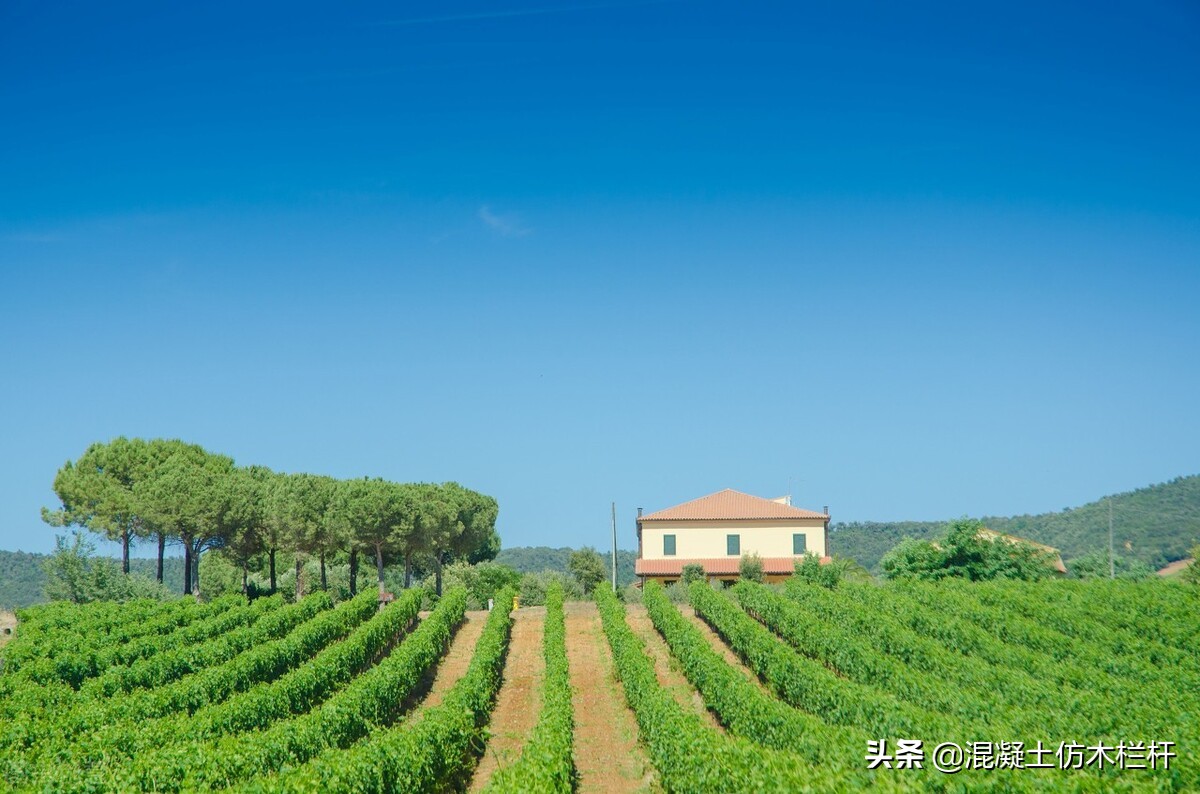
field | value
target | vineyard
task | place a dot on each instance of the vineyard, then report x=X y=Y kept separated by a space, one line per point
x=798 y=688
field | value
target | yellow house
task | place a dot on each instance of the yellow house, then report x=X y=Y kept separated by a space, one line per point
x=716 y=530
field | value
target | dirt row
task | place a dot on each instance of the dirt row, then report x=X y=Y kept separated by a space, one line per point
x=608 y=756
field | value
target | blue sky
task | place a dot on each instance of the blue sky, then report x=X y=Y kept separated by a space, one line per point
x=911 y=262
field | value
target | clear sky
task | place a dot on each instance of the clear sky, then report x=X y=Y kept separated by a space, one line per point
x=908 y=260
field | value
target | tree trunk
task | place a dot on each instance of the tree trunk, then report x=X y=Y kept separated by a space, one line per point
x=437 y=573
x=407 y=570
x=245 y=576
x=353 y=572
x=324 y=583
x=187 y=566
x=271 y=555
x=299 y=566
x=379 y=567
x=162 y=545
x=196 y=573
x=125 y=551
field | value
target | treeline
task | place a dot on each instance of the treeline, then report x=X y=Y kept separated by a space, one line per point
x=170 y=492
x=1157 y=525
x=538 y=559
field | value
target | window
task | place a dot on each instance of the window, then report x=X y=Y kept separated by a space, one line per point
x=669 y=545
x=798 y=543
x=733 y=544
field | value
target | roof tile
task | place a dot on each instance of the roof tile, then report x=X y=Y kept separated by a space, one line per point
x=730 y=505
x=719 y=566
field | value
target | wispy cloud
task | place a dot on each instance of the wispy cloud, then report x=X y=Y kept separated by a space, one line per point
x=506 y=225
x=514 y=12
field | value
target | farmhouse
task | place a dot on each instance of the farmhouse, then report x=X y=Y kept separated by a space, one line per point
x=716 y=530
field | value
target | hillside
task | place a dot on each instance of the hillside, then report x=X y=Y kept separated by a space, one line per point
x=22 y=577
x=1157 y=525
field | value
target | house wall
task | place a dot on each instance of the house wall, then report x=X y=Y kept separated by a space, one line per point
x=706 y=539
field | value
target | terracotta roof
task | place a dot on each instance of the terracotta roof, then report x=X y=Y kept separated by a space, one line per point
x=719 y=566
x=730 y=505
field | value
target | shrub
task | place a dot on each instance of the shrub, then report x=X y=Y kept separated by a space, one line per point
x=692 y=572
x=750 y=568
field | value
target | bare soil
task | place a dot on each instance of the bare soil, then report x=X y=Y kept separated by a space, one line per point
x=8 y=626
x=720 y=647
x=608 y=758
x=670 y=674
x=1175 y=567
x=453 y=665
x=519 y=702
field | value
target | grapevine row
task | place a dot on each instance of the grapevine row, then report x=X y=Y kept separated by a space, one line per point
x=546 y=764
x=434 y=753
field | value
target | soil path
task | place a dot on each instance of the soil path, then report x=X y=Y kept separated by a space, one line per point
x=720 y=647
x=608 y=758
x=1175 y=567
x=519 y=702
x=669 y=673
x=8 y=626
x=453 y=665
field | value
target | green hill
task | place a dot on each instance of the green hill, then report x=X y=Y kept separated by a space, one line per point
x=1157 y=525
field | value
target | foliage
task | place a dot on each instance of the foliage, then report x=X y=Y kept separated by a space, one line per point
x=587 y=567
x=810 y=570
x=533 y=587
x=546 y=763
x=434 y=753
x=268 y=696
x=692 y=572
x=1095 y=565
x=1156 y=525
x=377 y=697
x=74 y=574
x=744 y=708
x=750 y=567
x=176 y=492
x=1191 y=573
x=691 y=756
x=964 y=554
x=482 y=581
x=536 y=559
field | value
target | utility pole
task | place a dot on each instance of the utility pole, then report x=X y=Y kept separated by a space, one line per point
x=614 y=553
x=1112 y=568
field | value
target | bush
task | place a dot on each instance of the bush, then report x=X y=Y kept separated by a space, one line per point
x=1094 y=565
x=533 y=587
x=676 y=592
x=482 y=581
x=74 y=574
x=963 y=554
x=587 y=566
x=693 y=572
x=750 y=569
x=811 y=570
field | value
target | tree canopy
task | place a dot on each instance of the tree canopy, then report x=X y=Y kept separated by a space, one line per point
x=964 y=553
x=131 y=489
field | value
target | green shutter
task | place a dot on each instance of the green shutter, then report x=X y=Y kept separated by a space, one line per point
x=798 y=543
x=669 y=545
x=733 y=544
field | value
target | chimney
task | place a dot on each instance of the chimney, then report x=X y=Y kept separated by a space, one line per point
x=639 y=512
